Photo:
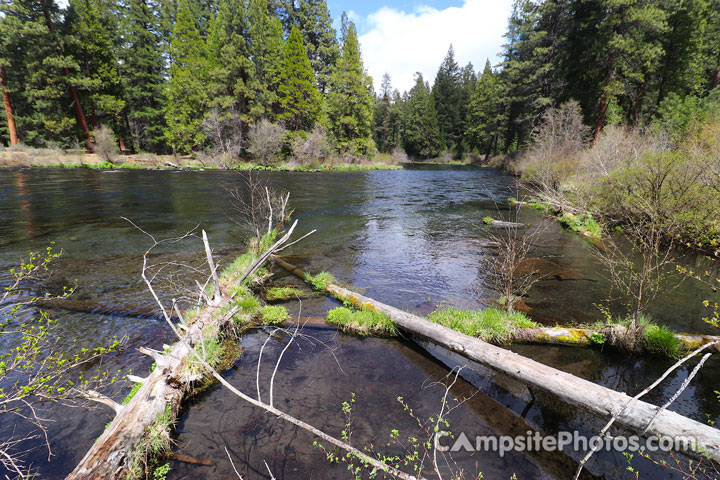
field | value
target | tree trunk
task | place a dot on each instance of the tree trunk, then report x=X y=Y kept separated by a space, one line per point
x=580 y=393
x=639 y=102
x=9 y=113
x=716 y=80
x=71 y=88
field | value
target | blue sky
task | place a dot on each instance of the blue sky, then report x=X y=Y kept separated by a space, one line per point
x=402 y=37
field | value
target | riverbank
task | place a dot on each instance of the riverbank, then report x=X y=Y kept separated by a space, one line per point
x=57 y=158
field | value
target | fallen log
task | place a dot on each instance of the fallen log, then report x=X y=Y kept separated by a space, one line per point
x=503 y=224
x=584 y=336
x=163 y=390
x=590 y=397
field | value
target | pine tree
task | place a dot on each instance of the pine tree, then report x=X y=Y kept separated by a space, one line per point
x=186 y=94
x=232 y=74
x=485 y=122
x=313 y=19
x=94 y=32
x=349 y=102
x=142 y=75
x=420 y=131
x=383 y=104
x=266 y=50
x=446 y=94
x=299 y=96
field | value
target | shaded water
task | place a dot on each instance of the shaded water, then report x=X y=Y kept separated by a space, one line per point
x=412 y=238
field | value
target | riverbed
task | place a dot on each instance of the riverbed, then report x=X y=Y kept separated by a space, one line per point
x=410 y=238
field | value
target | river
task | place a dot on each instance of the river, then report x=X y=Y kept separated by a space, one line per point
x=411 y=238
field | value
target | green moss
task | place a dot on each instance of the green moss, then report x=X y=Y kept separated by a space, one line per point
x=283 y=293
x=492 y=324
x=660 y=340
x=362 y=322
x=320 y=281
x=274 y=314
x=488 y=220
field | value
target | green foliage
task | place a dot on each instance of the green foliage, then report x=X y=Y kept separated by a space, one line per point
x=156 y=446
x=420 y=130
x=131 y=393
x=320 y=281
x=492 y=324
x=186 y=92
x=349 y=103
x=299 y=98
x=365 y=321
x=598 y=338
x=584 y=224
x=283 y=293
x=273 y=314
x=660 y=340
x=488 y=220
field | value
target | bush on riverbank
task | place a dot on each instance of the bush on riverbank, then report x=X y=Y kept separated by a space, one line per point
x=665 y=177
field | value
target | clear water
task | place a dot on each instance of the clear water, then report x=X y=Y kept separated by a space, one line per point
x=412 y=238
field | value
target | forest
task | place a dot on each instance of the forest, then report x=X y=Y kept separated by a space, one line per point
x=267 y=78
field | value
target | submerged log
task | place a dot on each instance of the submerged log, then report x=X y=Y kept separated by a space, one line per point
x=588 y=396
x=503 y=224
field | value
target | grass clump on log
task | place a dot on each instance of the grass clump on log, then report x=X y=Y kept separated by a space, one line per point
x=273 y=314
x=660 y=340
x=320 y=281
x=490 y=325
x=156 y=447
x=283 y=293
x=362 y=322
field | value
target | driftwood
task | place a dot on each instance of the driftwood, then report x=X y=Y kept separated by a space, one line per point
x=595 y=399
x=504 y=224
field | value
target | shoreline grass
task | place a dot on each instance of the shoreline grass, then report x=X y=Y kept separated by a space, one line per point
x=362 y=322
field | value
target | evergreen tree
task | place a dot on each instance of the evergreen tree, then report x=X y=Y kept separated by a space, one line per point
x=142 y=75
x=349 y=102
x=299 y=96
x=266 y=50
x=383 y=103
x=447 y=96
x=485 y=120
x=232 y=74
x=313 y=19
x=420 y=131
x=95 y=33
x=186 y=94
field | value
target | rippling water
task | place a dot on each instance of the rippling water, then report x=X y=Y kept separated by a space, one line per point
x=411 y=238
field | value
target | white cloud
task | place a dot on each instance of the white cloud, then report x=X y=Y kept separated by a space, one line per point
x=402 y=43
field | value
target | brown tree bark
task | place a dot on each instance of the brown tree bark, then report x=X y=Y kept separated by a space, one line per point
x=716 y=80
x=9 y=113
x=71 y=88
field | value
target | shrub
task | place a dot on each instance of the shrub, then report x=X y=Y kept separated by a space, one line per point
x=555 y=146
x=311 y=150
x=105 y=144
x=265 y=141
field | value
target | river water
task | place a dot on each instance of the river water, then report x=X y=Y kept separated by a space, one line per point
x=411 y=238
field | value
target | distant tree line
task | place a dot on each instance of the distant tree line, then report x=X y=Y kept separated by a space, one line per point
x=210 y=75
